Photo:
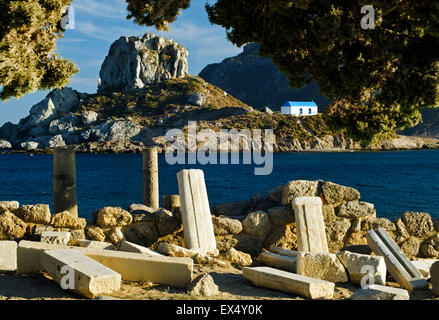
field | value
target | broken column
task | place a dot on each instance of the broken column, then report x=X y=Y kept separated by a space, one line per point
x=290 y=282
x=399 y=266
x=197 y=220
x=151 y=178
x=131 y=266
x=80 y=274
x=311 y=235
x=278 y=261
x=64 y=181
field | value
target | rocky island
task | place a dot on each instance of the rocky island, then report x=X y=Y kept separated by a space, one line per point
x=145 y=90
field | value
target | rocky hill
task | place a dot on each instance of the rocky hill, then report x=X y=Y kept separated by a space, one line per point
x=144 y=92
x=257 y=81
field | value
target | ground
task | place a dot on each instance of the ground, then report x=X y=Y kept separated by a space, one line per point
x=232 y=286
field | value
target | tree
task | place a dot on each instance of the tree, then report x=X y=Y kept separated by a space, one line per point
x=378 y=79
x=28 y=33
x=155 y=12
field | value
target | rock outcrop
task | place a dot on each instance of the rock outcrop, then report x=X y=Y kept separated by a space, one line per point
x=134 y=62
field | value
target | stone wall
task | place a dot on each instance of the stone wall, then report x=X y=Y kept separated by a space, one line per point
x=248 y=226
x=269 y=221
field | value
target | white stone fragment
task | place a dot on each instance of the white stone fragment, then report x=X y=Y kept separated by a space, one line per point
x=8 y=255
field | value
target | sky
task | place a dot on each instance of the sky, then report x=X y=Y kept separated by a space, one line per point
x=98 y=23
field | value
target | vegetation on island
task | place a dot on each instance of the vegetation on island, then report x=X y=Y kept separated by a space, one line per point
x=378 y=79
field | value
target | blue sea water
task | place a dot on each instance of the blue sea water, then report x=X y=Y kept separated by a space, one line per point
x=394 y=181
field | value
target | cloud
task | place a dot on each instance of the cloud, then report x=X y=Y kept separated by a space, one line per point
x=109 y=9
x=105 y=31
x=100 y=23
x=84 y=84
x=205 y=43
x=71 y=40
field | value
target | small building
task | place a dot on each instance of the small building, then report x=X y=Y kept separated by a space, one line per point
x=299 y=108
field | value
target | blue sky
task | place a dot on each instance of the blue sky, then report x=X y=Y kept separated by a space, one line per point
x=98 y=23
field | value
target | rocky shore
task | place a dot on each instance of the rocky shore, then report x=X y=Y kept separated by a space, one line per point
x=327 y=144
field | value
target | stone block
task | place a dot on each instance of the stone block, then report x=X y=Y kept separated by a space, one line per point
x=311 y=235
x=131 y=266
x=197 y=220
x=9 y=205
x=90 y=278
x=95 y=244
x=290 y=282
x=55 y=237
x=354 y=262
x=8 y=255
x=132 y=247
x=324 y=266
x=284 y=252
x=378 y=292
x=424 y=266
x=278 y=261
x=434 y=273
x=399 y=266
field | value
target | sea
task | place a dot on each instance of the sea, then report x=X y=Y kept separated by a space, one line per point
x=394 y=181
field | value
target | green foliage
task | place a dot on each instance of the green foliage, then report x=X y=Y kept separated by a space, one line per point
x=28 y=33
x=157 y=99
x=282 y=125
x=195 y=84
x=378 y=79
x=156 y=13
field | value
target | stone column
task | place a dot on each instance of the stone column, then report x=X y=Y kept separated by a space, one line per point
x=311 y=235
x=150 y=178
x=64 y=181
x=170 y=202
x=197 y=220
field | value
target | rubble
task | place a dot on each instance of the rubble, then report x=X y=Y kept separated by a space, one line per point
x=304 y=242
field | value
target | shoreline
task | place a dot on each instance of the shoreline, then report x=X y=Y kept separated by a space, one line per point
x=160 y=150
